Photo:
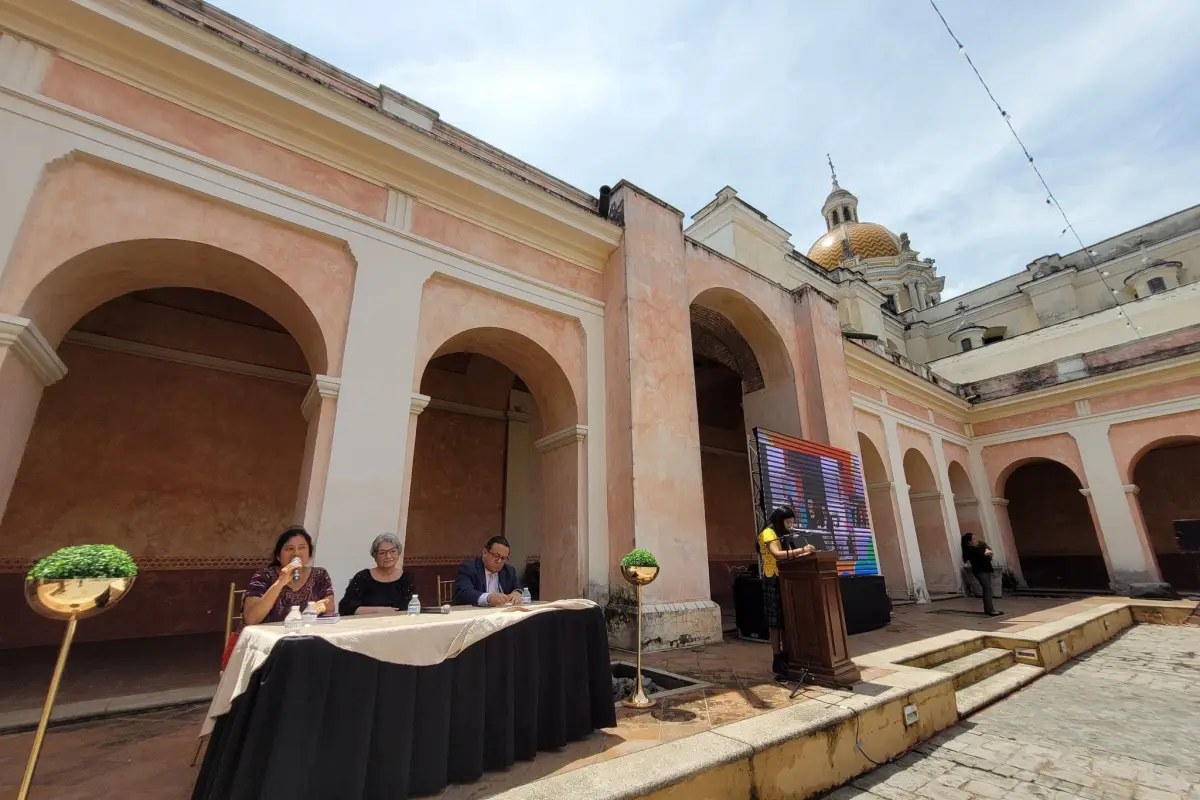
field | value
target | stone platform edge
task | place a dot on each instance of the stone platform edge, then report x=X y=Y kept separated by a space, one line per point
x=823 y=743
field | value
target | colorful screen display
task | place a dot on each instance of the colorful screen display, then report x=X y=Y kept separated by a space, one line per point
x=825 y=487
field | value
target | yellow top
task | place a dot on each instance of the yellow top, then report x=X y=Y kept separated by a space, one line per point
x=770 y=568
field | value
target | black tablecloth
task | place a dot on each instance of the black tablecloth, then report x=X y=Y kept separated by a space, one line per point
x=319 y=722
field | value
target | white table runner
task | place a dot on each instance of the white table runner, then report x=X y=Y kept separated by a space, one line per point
x=420 y=640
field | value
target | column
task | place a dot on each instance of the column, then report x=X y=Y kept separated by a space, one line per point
x=827 y=411
x=908 y=525
x=367 y=481
x=319 y=407
x=563 y=457
x=949 y=508
x=28 y=364
x=655 y=491
x=29 y=146
x=921 y=295
x=519 y=504
x=1129 y=556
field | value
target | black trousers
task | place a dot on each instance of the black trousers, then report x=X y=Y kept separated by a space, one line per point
x=985 y=583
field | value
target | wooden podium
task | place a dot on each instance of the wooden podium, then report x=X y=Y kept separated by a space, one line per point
x=814 y=627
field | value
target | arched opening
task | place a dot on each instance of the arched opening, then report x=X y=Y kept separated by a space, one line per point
x=966 y=504
x=1166 y=476
x=941 y=572
x=744 y=379
x=177 y=434
x=1052 y=528
x=498 y=452
x=883 y=519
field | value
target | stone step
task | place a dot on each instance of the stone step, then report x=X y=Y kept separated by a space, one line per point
x=989 y=690
x=974 y=667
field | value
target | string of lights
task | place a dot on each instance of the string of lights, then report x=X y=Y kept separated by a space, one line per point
x=1051 y=200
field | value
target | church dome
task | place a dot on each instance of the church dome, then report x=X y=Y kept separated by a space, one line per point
x=866 y=239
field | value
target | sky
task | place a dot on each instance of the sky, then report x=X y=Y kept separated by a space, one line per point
x=684 y=98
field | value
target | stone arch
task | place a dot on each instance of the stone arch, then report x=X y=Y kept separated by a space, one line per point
x=517 y=406
x=1002 y=460
x=884 y=519
x=187 y=395
x=1052 y=526
x=1166 y=472
x=94 y=231
x=937 y=561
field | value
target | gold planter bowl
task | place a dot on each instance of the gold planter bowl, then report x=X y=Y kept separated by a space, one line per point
x=78 y=597
x=640 y=576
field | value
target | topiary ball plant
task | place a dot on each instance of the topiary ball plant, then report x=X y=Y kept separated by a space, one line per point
x=85 y=561
x=639 y=558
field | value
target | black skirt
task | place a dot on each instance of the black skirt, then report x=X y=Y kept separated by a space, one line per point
x=773 y=602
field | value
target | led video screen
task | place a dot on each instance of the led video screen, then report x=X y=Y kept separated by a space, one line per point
x=825 y=487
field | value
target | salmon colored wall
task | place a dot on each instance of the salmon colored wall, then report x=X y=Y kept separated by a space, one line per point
x=1130 y=440
x=95 y=232
x=881 y=503
x=107 y=97
x=908 y=406
x=866 y=390
x=1026 y=420
x=545 y=349
x=163 y=459
x=456 y=500
x=871 y=427
x=827 y=408
x=911 y=439
x=999 y=460
x=946 y=423
x=728 y=505
x=470 y=238
x=1140 y=397
x=940 y=566
x=618 y=411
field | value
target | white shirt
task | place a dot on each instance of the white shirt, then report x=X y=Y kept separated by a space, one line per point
x=491 y=586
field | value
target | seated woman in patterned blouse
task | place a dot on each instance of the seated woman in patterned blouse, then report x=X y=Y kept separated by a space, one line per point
x=276 y=588
x=382 y=589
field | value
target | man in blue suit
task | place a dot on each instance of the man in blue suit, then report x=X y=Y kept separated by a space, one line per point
x=488 y=580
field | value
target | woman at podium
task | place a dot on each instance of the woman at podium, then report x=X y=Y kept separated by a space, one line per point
x=771 y=550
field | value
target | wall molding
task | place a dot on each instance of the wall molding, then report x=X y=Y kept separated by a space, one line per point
x=901 y=417
x=165 y=563
x=23 y=64
x=568 y=435
x=322 y=386
x=467 y=410
x=1000 y=501
x=22 y=337
x=160 y=353
x=925 y=495
x=418 y=403
x=1131 y=489
x=721 y=451
x=1135 y=414
x=879 y=485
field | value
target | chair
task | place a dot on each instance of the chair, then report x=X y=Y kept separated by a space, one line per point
x=237 y=600
x=445 y=592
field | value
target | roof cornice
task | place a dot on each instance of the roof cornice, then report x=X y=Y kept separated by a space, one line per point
x=179 y=61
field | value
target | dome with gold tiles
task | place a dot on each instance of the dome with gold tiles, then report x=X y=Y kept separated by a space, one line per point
x=864 y=239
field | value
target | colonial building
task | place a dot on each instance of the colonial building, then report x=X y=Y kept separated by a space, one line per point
x=240 y=288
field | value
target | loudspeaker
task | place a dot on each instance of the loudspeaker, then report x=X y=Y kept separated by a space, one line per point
x=748 y=611
x=1153 y=591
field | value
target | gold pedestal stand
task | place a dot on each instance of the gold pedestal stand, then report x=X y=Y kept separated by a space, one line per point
x=639 y=577
x=70 y=600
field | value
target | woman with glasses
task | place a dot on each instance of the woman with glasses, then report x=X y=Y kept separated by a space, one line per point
x=382 y=589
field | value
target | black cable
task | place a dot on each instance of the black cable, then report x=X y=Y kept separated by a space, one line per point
x=1050 y=198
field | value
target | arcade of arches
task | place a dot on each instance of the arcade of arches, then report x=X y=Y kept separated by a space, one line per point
x=1167 y=475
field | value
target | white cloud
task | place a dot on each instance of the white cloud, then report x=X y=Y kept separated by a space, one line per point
x=685 y=97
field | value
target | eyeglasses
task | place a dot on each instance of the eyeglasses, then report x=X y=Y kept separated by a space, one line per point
x=496 y=556
x=390 y=552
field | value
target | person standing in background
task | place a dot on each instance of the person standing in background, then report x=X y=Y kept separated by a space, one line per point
x=978 y=557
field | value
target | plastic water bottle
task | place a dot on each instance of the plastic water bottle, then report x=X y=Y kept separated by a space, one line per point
x=310 y=614
x=294 y=619
x=526 y=597
x=414 y=605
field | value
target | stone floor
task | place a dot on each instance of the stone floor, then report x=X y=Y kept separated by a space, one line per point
x=158 y=747
x=1119 y=723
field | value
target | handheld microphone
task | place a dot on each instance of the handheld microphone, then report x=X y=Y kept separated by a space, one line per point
x=295 y=562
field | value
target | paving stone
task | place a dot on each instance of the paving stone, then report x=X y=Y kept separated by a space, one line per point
x=1119 y=723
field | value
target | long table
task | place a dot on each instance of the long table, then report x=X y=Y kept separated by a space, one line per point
x=333 y=711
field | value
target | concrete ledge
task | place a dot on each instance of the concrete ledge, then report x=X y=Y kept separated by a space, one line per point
x=27 y=719
x=706 y=765
x=665 y=626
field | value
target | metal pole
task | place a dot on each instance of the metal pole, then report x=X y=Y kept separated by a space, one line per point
x=27 y=781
